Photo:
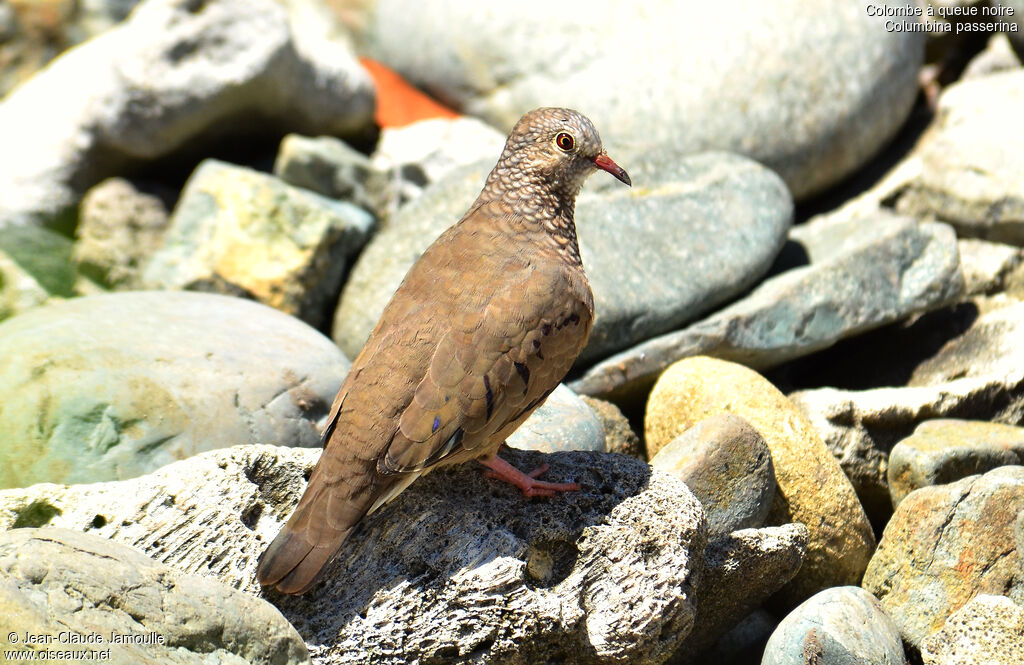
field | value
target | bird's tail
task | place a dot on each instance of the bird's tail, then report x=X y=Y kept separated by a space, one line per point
x=300 y=553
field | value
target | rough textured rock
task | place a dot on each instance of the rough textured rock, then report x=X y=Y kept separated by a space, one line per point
x=563 y=422
x=946 y=544
x=35 y=267
x=977 y=375
x=117 y=385
x=462 y=566
x=742 y=569
x=240 y=232
x=838 y=626
x=88 y=588
x=812 y=487
x=619 y=436
x=972 y=169
x=330 y=167
x=634 y=71
x=693 y=232
x=727 y=465
x=858 y=279
x=988 y=629
x=119 y=228
x=944 y=450
x=175 y=74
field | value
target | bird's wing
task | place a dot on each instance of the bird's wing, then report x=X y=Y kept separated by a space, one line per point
x=491 y=367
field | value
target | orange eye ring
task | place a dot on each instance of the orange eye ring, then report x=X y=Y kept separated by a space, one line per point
x=565 y=142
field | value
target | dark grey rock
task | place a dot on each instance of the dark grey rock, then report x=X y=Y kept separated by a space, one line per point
x=837 y=626
x=744 y=643
x=693 y=232
x=78 y=592
x=741 y=571
x=892 y=268
x=811 y=89
x=946 y=544
x=113 y=386
x=457 y=568
x=240 y=232
x=727 y=465
x=988 y=629
x=330 y=167
x=174 y=74
x=942 y=451
x=119 y=228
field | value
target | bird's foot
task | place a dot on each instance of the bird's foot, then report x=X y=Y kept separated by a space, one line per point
x=526 y=482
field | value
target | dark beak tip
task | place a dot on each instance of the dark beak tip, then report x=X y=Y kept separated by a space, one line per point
x=605 y=163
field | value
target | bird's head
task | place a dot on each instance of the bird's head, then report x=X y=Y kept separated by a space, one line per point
x=559 y=145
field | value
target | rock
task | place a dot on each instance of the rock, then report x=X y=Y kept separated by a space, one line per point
x=35 y=267
x=633 y=74
x=619 y=436
x=972 y=170
x=173 y=76
x=987 y=265
x=744 y=642
x=942 y=451
x=328 y=166
x=977 y=375
x=693 y=232
x=462 y=564
x=92 y=590
x=563 y=422
x=1016 y=36
x=117 y=385
x=812 y=487
x=726 y=464
x=119 y=228
x=840 y=626
x=988 y=348
x=998 y=56
x=946 y=544
x=240 y=232
x=742 y=569
x=988 y=629
x=415 y=155
x=866 y=280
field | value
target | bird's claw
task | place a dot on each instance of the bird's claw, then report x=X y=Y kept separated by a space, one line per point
x=526 y=482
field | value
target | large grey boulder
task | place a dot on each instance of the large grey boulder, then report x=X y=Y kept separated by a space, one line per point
x=176 y=73
x=811 y=89
x=114 y=386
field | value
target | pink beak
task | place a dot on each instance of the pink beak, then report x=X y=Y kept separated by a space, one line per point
x=605 y=163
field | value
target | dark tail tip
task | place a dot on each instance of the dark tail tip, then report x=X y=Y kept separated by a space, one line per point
x=293 y=563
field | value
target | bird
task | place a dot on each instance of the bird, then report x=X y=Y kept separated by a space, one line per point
x=482 y=329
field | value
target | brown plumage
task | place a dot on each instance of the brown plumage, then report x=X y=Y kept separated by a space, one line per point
x=482 y=329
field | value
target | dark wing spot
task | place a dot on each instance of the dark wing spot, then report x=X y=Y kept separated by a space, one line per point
x=436 y=425
x=489 y=396
x=524 y=373
x=545 y=329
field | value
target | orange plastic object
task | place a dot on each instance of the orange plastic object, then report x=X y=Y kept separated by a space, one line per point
x=398 y=102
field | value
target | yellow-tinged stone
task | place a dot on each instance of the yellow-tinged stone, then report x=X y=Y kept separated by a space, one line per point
x=812 y=487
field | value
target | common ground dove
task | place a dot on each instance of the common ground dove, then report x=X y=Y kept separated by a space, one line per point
x=482 y=329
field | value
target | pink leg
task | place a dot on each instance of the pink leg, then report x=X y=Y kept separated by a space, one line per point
x=526 y=482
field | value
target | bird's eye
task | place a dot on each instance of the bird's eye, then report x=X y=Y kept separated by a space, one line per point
x=565 y=142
